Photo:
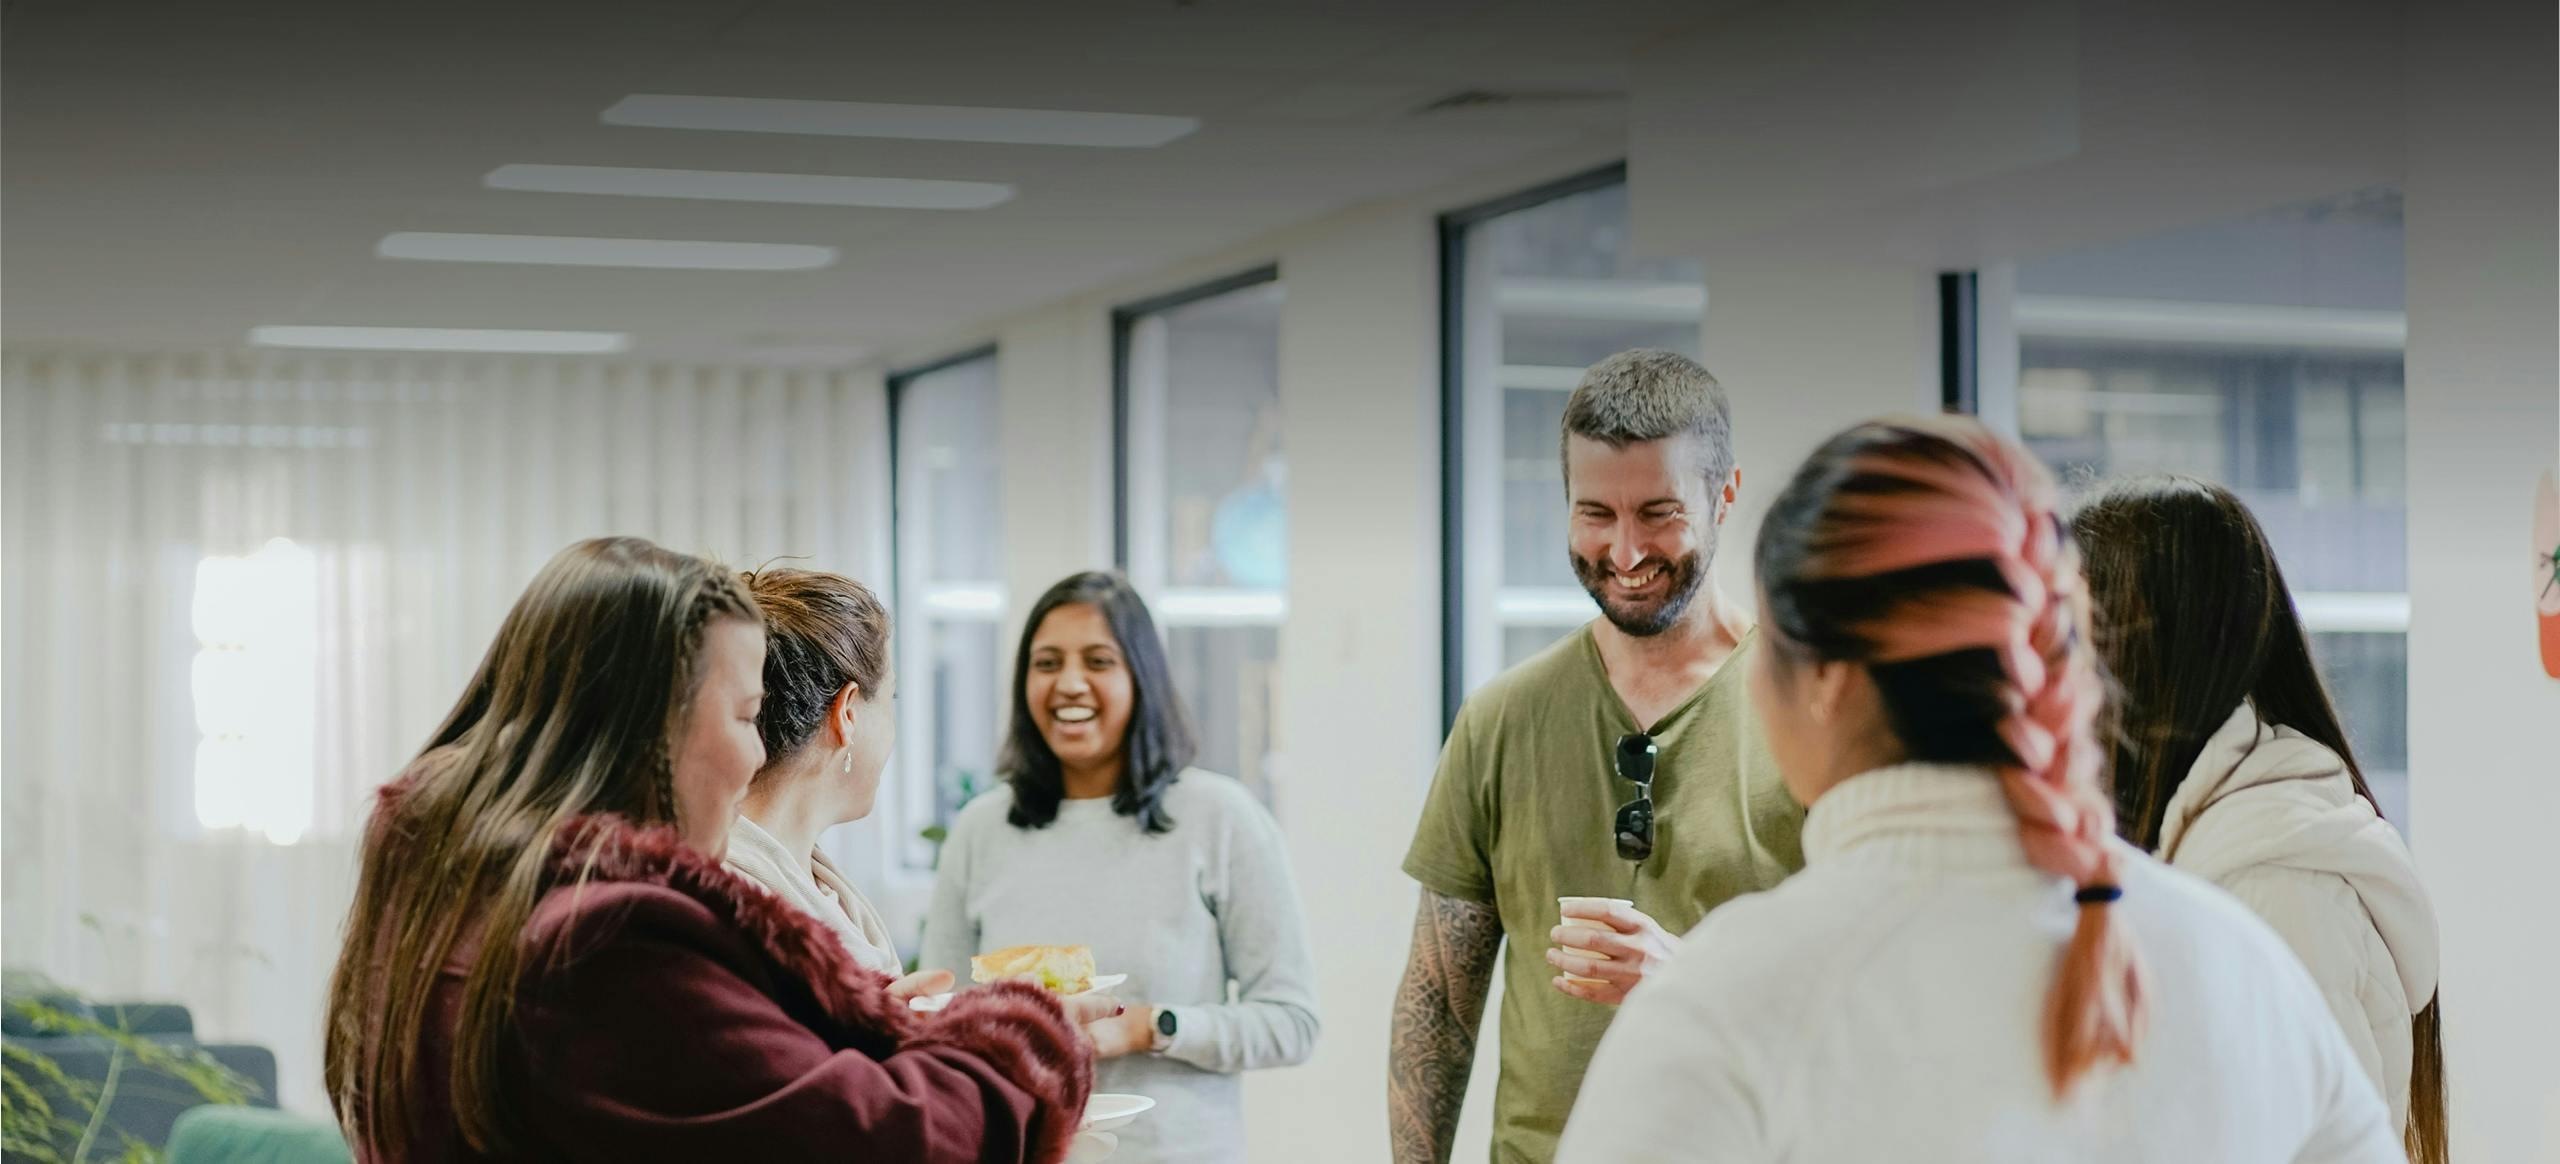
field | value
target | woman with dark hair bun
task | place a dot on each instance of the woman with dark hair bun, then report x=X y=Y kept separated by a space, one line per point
x=1105 y=837
x=2230 y=763
x=1971 y=965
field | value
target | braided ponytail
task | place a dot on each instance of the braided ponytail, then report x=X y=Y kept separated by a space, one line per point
x=1929 y=550
x=2065 y=819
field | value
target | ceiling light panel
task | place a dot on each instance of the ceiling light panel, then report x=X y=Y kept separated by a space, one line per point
x=737 y=186
x=439 y=339
x=1061 y=127
x=567 y=251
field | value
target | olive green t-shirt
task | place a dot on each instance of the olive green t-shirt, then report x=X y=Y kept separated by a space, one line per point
x=1521 y=813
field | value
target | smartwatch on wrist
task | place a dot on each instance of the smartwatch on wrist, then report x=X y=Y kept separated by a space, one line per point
x=1165 y=1028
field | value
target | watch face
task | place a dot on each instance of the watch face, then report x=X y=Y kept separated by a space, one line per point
x=2546 y=571
x=1165 y=1023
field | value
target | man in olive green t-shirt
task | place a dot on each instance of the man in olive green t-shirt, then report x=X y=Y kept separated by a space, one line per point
x=1533 y=800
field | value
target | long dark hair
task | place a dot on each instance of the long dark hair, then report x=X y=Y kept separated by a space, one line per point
x=2194 y=617
x=572 y=711
x=1159 y=744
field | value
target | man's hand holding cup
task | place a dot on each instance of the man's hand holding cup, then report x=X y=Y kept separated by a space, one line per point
x=1604 y=947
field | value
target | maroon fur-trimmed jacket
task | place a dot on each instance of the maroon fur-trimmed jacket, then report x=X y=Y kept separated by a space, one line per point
x=675 y=1011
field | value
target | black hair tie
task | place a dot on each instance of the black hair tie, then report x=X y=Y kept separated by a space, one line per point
x=2097 y=895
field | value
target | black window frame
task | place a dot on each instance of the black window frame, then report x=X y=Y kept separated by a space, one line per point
x=1960 y=342
x=1453 y=227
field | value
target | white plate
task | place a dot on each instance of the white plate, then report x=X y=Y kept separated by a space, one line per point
x=1106 y=1111
x=929 y=1003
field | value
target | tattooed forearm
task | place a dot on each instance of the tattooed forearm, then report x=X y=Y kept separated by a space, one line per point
x=1432 y=1046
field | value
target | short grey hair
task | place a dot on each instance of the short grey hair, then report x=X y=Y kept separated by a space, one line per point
x=1647 y=394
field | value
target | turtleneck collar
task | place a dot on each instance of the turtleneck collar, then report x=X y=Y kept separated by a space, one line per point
x=1931 y=816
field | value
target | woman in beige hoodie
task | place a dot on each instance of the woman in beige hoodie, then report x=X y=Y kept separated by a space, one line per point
x=2231 y=764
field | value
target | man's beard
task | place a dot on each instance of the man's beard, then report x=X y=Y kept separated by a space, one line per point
x=1645 y=618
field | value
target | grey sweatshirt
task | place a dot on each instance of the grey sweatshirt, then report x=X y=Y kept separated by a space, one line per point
x=1187 y=915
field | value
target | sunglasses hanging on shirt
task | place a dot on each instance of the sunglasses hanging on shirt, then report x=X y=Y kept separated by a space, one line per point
x=1634 y=825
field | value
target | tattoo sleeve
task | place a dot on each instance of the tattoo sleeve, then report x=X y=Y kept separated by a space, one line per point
x=1432 y=1044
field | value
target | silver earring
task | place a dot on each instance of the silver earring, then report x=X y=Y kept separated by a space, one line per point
x=848 y=761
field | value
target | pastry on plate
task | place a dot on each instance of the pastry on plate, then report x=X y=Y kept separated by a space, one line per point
x=1064 y=969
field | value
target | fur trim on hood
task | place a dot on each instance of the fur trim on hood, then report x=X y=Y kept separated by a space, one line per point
x=1020 y=1031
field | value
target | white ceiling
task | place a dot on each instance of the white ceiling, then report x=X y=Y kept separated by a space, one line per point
x=176 y=173
x=1954 y=136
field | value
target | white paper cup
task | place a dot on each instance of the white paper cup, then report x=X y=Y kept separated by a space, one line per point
x=1565 y=903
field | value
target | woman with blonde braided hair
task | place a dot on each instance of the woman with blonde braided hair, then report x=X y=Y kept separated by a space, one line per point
x=1971 y=967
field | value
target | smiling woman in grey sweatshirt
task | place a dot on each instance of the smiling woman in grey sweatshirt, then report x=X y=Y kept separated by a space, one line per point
x=1175 y=876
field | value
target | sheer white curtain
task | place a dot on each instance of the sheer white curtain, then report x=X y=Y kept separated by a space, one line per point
x=239 y=592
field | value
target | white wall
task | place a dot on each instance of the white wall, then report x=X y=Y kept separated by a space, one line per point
x=1359 y=703
x=2484 y=419
x=1805 y=350
x=1053 y=373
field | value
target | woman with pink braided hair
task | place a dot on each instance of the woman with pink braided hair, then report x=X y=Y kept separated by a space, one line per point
x=1971 y=967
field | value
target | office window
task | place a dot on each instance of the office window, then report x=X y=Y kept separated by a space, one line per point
x=1535 y=289
x=1203 y=496
x=951 y=649
x=2262 y=353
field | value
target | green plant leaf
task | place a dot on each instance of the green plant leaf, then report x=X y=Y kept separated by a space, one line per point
x=23 y=1101
x=35 y=1128
x=138 y=1151
x=39 y=1151
x=43 y=1065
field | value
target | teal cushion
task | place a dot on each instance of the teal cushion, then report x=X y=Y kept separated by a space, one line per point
x=254 y=1135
